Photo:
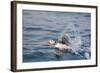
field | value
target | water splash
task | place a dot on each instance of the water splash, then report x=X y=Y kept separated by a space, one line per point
x=75 y=42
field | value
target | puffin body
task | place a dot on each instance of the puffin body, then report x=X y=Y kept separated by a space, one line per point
x=60 y=45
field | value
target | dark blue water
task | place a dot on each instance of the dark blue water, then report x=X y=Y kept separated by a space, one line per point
x=40 y=26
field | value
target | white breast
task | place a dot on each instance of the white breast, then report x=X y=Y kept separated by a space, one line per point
x=62 y=46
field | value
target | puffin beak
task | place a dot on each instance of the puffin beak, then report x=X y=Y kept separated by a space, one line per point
x=49 y=42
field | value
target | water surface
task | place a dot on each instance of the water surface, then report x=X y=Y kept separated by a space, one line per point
x=40 y=26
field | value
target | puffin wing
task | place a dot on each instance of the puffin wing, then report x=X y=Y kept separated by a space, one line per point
x=64 y=39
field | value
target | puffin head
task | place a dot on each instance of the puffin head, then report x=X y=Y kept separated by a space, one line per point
x=51 y=42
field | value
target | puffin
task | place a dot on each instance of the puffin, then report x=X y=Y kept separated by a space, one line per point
x=61 y=45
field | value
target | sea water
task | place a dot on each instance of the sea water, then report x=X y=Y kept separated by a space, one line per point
x=40 y=26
